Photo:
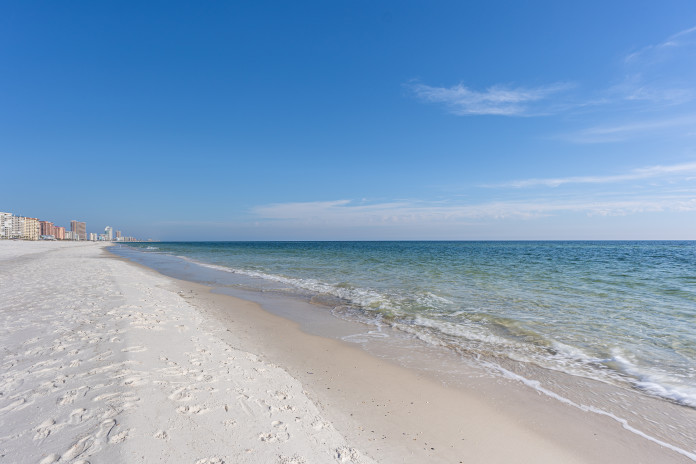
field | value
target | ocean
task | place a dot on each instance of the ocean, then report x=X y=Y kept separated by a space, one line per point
x=605 y=326
x=614 y=311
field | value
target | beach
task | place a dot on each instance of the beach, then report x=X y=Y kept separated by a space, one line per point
x=105 y=360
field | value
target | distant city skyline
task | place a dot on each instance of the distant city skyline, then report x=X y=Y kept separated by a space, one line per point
x=353 y=121
x=18 y=227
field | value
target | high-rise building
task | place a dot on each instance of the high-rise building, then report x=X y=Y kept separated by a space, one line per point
x=47 y=228
x=6 y=221
x=92 y=237
x=79 y=230
x=118 y=234
x=59 y=233
x=17 y=227
x=31 y=228
x=109 y=233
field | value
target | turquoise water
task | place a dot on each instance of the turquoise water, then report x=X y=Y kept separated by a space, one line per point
x=614 y=311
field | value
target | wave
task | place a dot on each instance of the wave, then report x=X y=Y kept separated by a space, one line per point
x=389 y=304
x=479 y=335
x=655 y=383
x=536 y=385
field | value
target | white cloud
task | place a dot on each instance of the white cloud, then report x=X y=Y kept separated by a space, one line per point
x=659 y=74
x=656 y=77
x=635 y=174
x=677 y=195
x=656 y=51
x=617 y=133
x=637 y=88
x=496 y=100
x=345 y=214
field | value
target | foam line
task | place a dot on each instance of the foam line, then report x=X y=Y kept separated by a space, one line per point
x=535 y=384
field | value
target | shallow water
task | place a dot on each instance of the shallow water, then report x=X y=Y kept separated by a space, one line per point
x=619 y=312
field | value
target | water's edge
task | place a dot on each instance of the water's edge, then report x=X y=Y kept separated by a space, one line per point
x=637 y=415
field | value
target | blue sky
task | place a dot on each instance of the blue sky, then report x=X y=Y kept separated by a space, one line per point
x=352 y=120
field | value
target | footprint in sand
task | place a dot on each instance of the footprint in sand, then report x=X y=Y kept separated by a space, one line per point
x=280 y=434
x=346 y=454
x=181 y=394
x=296 y=459
x=212 y=460
x=105 y=428
x=50 y=459
x=244 y=403
x=319 y=424
x=45 y=429
x=78 y=416
x=68 y=398
x=134 y=349
x=105 y=397
x=119 y=437
x=162 y=435
x=194 y=409
x=83 y=446
x=134 y=381
x=14 y=404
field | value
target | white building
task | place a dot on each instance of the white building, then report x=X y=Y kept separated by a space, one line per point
x=6 y=225
x=17 y=227
x=32 y=229
x=109 y=233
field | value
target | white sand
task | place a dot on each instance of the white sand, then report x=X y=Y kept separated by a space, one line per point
x=103 y=361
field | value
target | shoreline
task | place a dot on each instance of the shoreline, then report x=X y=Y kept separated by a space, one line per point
x=381 y=417
x=104 y=361
x=117 y=362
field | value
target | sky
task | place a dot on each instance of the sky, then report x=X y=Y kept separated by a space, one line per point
x=352 y=120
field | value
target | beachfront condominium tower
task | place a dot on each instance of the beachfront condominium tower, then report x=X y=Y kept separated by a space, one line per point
x=79 y=230
x=47 y=228
x=31 y=228
x=109 y=233
x=17 y=227
x=6 y=221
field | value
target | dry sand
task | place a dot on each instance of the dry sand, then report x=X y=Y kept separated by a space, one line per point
x=106 y=361
x=100 y=363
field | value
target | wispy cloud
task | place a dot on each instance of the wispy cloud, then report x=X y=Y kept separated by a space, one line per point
x=656 y=51
x=620 y=132
x=656 y=77
x=495 y=100
x=637 y=88
x=635 y=174
x=348 y=214
x=673 y=193
x=659 y=74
